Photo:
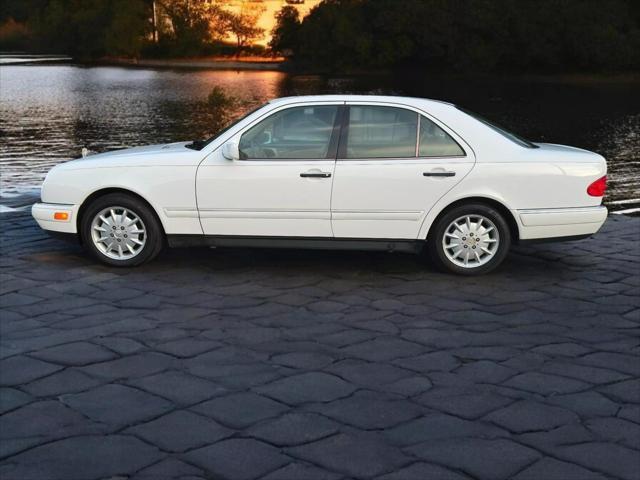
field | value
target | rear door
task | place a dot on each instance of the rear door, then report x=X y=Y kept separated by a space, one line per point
x=393 y=165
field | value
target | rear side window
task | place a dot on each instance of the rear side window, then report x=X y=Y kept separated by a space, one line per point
x=515 y=138
x=381 y=132
x=435 y=142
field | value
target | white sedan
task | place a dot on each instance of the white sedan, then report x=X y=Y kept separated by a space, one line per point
x=339 y=171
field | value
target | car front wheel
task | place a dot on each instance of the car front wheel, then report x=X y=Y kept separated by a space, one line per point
x=121 y=230
x=470 y=240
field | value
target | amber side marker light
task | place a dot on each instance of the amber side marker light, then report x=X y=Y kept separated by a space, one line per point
x=597 y=188
x=61 y=216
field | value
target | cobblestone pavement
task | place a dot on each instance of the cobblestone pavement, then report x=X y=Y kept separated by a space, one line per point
x=246 y=364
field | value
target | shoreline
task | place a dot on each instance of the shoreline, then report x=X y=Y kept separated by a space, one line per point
x=202 y=63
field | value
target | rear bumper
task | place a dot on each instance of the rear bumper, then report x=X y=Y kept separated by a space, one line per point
x=43 y=213
x=560 y=222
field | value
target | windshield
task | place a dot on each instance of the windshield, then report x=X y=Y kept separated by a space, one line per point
x=523 y=142
x=200 y=144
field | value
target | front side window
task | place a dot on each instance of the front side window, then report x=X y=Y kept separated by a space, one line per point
x=435 y=142
x=381 y=132
x=294 y=133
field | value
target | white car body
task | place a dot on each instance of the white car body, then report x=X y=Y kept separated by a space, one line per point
x=203 y=194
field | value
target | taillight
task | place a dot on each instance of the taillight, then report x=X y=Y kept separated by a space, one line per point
x=597 y=188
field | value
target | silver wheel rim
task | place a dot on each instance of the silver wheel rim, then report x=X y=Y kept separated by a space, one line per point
x=471 y=241
x=118 y=233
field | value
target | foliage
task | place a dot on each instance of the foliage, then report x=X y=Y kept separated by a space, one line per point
x=285 y=32
x=338 y=35
x=243 y=25
x=13 y=35
x=188 y=27
x=478 y=35
x=90 y=28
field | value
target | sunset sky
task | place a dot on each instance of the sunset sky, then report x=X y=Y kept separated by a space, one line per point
x=271 y=8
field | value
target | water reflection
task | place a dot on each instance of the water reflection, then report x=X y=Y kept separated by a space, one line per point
x=49 y=112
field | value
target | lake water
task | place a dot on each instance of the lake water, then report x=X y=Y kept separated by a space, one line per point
x=48 y=113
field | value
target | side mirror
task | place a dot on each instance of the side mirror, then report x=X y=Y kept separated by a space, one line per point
x=230 y=151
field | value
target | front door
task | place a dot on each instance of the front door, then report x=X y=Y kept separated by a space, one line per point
x=393 y=165
x=281 y=185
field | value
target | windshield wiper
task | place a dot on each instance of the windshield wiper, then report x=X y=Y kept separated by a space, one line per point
x=196 y=145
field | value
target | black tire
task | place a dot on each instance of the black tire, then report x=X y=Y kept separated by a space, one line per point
x=154 y=235
x=436 y=250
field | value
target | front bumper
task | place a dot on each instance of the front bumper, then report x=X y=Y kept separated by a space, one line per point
x=560 y=222
x=44 y=213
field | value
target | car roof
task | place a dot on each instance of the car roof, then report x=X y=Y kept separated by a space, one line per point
x=358 y=98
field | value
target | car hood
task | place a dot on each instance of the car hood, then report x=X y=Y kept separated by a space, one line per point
x=163 y=154
x=144 y=150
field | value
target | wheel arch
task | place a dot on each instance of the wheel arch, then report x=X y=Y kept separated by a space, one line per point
x=493 y=203
x=106 y=191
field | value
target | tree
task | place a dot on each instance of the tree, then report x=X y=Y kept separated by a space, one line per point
x=285 y=31
x=192 y=24
x=244 y=24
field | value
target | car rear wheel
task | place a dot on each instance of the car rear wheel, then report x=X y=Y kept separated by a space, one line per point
x=470 y=240
x=121 y=230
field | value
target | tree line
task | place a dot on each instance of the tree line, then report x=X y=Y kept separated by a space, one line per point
x=465 y=35
x=344 y=35
x=89 y=29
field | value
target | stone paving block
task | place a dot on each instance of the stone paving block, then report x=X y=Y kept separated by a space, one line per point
x=620 y=362
x=424 y=471
x=132 y=366
x=68 y=380
x=616 y=430
x=299 y=471
x=382 y=349
x=354 y=455
x=546 y=384
x=10 y=399
x=39 y=419
x=240 y=410
x=116 y=405
x=120 y=345
x=307 y=387
x=241 y=459
x=497 y=459
x=188 y=347
x=21 y=369
x=609 y=458
x=75 y=354
x=551 y=468
x=469 y=406
x=85 y=457
x=485 y=371
x=528 y=416
x=439 y=426
x=368 y=374
x=587 y=404
x=630 y=412
x=435 y=361
x=627 y=391
x=309 y=361
x=180 y=388
x=409 y=386
x=369 y=410
x=168 y=468
x=549 y=441
x=180 y=431
x=585 y=373
x=293 y=429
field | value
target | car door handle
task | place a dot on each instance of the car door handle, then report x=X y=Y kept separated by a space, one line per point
x=315 y=174
x=438 y=174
